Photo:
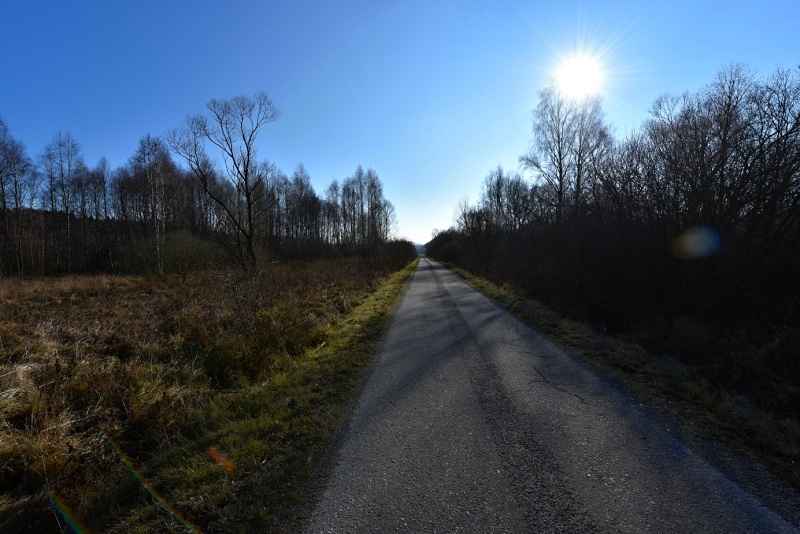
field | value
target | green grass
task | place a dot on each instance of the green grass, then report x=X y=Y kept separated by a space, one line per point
x=244 y=463
x=666 y=385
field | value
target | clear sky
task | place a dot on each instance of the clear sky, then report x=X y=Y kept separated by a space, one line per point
x=431 y=94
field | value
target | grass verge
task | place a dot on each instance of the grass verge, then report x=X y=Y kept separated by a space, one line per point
x=244 y=463
x=666 y=385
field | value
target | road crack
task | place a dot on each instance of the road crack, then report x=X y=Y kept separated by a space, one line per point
x=556 y=386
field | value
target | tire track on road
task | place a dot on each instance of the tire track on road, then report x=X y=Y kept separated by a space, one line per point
x=541 y=488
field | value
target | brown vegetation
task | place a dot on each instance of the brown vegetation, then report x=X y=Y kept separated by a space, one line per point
x=140 y=359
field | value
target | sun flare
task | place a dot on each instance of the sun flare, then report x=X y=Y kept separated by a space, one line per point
x=579 y=76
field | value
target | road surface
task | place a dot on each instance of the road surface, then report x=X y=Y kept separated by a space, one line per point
x=473 y=422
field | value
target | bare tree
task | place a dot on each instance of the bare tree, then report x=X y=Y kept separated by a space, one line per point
x=302 y=212
x=775 y=195
x=232 y=126
x=15 y=169
x=153 y=165
x=553 y=140
x=62 y=163
x=97 y=192
x=507 y=199
x=376 y=207
x=569 y=140
x=593 y=143
x=332 y=215
x=350 y=210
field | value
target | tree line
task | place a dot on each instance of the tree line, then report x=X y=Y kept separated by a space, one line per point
x=199 y=196
x=685 y=232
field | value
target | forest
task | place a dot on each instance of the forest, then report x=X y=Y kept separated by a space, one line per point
x=198 y=197
x=682 y=237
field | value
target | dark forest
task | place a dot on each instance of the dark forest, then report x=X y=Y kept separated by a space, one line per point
x=683 y=237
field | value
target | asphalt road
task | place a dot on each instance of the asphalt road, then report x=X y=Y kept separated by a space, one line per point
x=473 y=422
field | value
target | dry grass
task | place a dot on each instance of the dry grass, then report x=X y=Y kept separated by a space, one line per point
x=271 y=436
x=141 y=360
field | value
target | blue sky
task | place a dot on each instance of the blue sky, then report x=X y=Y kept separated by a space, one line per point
x=431 y=94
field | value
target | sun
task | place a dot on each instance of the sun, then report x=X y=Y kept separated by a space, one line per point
x=579 y=76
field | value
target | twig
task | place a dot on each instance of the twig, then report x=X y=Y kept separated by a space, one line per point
x=65 y=424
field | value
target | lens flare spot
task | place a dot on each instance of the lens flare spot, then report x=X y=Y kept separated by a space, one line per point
x=220 y=458
x=149 y=487
x=66 y=514
x=697 y=242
